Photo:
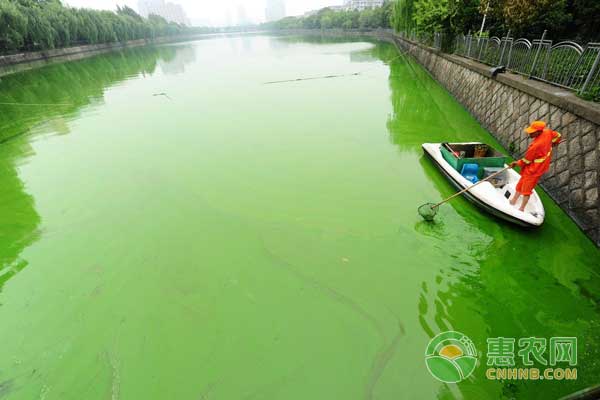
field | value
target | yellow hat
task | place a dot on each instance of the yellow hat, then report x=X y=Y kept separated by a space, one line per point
x=536 y=126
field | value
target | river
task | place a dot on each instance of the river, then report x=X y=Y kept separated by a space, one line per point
x=175 y=226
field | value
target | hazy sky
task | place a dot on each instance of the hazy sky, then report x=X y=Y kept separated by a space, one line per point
x=215 y=12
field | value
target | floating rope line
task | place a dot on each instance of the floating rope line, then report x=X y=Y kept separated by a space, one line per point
x=162 y=94
x=329 y=76
x=312 y=78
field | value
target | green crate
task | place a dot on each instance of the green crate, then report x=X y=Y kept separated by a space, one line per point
x=492 y=159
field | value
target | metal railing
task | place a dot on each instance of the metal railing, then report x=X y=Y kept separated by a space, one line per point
x=566 y=64
x=437 y=40
x=434 y=40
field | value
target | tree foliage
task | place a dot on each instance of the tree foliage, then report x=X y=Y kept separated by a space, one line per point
x=27 y=25
x=403 y=13
x=379 y=17
x=573 y=19
x=431 y=15
x=12 y=25
x=530 y=17
x=585 y=18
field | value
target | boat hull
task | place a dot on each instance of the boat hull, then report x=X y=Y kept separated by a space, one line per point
x=516 y=217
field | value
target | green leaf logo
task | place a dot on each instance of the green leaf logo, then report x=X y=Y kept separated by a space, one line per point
x=451 y=357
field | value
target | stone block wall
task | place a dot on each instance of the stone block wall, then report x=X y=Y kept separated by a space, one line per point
x=13 y=63
x=507 y=103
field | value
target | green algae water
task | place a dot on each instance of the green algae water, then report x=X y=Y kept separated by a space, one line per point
x=178 y=229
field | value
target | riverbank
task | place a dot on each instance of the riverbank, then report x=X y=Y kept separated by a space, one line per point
x=13 y=63
x=237 y=224
x=503 y=104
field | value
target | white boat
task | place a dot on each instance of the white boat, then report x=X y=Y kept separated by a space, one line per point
x=490 y=197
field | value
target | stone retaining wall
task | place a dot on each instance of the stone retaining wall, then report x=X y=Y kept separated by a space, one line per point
x=506 y=104
x=47 y=54
x=12 y=63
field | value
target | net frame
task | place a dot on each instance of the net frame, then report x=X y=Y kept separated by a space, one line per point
x=428 y=211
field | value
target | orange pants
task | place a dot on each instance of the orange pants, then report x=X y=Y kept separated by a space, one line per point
x=526 y=184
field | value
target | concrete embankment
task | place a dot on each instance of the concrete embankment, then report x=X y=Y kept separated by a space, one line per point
x=504 y=105
x=13 y=63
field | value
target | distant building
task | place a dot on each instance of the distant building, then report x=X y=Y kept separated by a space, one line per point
x=362 y=4
x=275 y=10
x=169 y=11
x=228 y=18
x=242 y=15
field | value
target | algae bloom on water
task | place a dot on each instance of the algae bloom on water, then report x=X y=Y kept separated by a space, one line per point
x=243 y=240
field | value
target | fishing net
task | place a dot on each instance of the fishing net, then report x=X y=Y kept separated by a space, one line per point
x=428 y=211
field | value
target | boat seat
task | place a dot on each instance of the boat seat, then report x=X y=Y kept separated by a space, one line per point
x=470 y=172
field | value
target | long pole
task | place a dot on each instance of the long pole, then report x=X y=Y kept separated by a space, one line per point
x=588 y=79
x=504 y=48
x=537 y=54
x=470 y=187
x=487 y=8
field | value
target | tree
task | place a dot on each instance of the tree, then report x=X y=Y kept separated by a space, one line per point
x=585 y=19
x=327 y=18
x=347 y=24
x=382 y=16
x=403 y=15
x=365 y=19
x=432 y=15
x=530 y=17
x=127 y=11
x=40 y=33
x=326 y=22
x=562 y=18
x=465 y=16
x=46 y=24
x=13 y=26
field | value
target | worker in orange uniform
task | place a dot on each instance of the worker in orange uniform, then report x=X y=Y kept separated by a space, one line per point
x=536 y=161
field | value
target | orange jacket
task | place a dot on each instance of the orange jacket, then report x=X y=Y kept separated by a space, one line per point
x=537 y=159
